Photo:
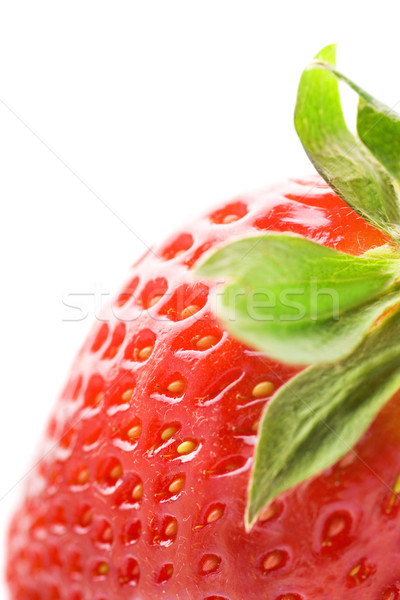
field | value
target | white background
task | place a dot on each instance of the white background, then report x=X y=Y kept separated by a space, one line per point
x=161 y=108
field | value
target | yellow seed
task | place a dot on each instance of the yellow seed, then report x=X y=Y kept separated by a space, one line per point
x=107 y=535
x=210 y=564
x=83 y=476
x=189 y=311
x=145 y=352
x=137 y=491
x=229 y=219
x=116 y=472
x=99 y=398
x=391 y=503
x=355 y=570
x=215 y=514
x=127 y=395
x=206 y=342
x=86 y=518
x=267 y=513
x=186 y=447
x=176 y=486
x=336 y=526
x=264 y=388
x=168 y=433
x=176 y=387
x=103 y=568
x=394 y=496
x=113 y=351
x=135 y=431
x=171 y=528
x=154 y=300
x=273 y=560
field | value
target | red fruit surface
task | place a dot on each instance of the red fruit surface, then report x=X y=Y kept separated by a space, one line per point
x=141 y=489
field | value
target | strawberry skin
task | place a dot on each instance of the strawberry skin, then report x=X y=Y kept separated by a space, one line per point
x=142 y=487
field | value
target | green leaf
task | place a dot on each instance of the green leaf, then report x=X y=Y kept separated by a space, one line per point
x=342 y=159
x=319 y=415
x=378 y=126
x=298 y=301
x=379 y=129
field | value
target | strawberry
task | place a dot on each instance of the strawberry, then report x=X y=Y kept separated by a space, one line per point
x=141 y=487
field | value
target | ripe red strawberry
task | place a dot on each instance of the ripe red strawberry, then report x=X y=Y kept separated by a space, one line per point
x=142 y=488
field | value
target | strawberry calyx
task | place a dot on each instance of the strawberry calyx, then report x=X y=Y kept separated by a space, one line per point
x=302 y=303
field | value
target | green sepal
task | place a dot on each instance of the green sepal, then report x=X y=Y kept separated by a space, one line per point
x=379 y=129
x=320 y=414
x=298 y=301
x=340 y=157
x=378 y=125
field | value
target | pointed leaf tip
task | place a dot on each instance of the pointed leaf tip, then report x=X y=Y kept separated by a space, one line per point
x=328 y=54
